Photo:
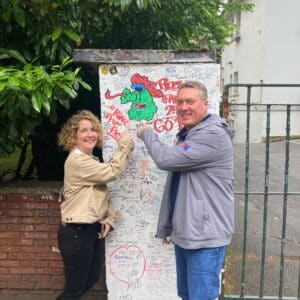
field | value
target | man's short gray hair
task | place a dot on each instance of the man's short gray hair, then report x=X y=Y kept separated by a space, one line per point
x=195 y=84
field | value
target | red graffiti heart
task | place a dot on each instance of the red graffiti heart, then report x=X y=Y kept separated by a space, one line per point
x=127 y=264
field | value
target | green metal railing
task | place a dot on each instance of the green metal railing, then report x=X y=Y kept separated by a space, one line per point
x=265 y=193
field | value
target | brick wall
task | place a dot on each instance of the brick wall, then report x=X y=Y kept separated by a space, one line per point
x=30 y=262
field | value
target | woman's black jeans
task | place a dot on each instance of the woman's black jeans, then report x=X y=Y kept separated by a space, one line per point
x=80 y=250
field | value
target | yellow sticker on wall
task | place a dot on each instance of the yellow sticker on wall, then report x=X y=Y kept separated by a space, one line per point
x=105 y=70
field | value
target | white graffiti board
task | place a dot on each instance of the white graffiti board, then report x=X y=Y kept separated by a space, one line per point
x=138 y=265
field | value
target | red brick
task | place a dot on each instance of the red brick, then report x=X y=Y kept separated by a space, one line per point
x=45 y=242
x=21 y=242
x=56 y=264
x=10 y=235
x=42 y=213
x=20 y=213
x=41 y=205
x=3 y=270
x=35 y=249
x=21 y=270
x=54 y=213
x=35 y=235
x=49 y=271
x=3 y=285
x=9 y=263
x=54 y=206
x=40 y=278
x=35 y=220
x=55 y=220
x=47 y=256
x=33 y=263
x=15 y=227
x=10 y=277
x=53 y=235
x=2 y=227
x=57 y=278
x=3 y=197
x=12 y=205
x=22 y=256
x=21 y=285
x=10 y=249
x=10 y=220
x=46 y=227
x=28 y=243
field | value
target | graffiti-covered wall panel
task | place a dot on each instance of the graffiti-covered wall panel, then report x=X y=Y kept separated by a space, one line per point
x=138 y=265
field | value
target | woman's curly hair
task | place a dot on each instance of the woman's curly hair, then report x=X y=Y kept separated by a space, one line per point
x=67 y=138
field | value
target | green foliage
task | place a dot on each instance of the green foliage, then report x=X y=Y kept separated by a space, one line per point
x=176 y=24
x=47 y=31
x=28 y=94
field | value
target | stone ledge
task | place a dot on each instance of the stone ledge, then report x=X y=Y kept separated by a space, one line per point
x=30 y=187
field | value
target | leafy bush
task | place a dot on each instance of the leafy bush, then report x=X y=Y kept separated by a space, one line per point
x=29 y=94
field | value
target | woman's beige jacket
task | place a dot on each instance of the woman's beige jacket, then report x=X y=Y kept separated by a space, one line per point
x=86 y=198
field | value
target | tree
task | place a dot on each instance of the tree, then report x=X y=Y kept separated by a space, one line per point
x=47 y=31
x=175 y=24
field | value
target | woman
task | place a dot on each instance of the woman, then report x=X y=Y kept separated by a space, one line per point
x=86 y=211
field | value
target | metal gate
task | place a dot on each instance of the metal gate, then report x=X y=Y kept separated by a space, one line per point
x=265 y=251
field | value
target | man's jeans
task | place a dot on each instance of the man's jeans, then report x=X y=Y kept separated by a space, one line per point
x=199 y=272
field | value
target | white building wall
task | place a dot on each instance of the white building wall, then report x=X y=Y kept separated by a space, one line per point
x=282 y=43
x=267 y=52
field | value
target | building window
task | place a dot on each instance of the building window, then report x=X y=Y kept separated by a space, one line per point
x=235 y=91
x=237 y=23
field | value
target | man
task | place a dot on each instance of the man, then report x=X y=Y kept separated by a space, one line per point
x=197 y=210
